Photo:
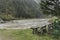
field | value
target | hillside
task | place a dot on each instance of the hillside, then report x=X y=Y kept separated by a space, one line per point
x=19 y=9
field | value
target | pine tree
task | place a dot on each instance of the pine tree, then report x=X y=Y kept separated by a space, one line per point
x=51 y=7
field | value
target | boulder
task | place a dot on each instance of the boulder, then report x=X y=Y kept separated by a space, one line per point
x=1 y=21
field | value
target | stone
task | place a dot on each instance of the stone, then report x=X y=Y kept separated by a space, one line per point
x=1 y=21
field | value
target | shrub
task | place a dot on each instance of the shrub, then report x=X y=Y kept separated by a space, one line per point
x=6 y=17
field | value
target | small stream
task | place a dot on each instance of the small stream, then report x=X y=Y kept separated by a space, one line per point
x=23 y=24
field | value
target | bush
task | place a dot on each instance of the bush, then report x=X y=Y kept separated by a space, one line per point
x=6 y=17
x=53 y=19
x=56 y=29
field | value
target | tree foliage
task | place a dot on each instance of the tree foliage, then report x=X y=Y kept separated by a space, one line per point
x=51 y=7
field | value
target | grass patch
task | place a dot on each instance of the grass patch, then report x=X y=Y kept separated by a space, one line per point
x=21 y=35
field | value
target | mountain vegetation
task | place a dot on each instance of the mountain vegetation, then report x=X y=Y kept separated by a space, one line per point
x=19 y=9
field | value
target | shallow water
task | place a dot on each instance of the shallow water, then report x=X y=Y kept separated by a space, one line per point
x=23 y=24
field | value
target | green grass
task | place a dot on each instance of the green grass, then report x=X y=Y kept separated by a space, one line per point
x=21 y=35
